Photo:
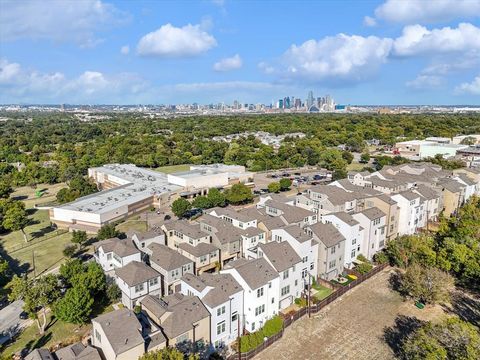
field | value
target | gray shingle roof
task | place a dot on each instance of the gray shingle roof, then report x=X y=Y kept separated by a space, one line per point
x=292 y=214
x=77 y=351
x=271 y=222
x=184 y=311
x=198 y=250
x=39 y=354
x=372 y=213
x=298 y=233
x=280 y=254
x=145 y=235
x=165 y=257
x=223 y=287
x=135 y=273
x=120 y=247
x=256 y=273
x=243 y=216
x=346 y=218
x=191 y=230
x=327 y=234
x=427 y=192
x=122 y=329
x=336 y=195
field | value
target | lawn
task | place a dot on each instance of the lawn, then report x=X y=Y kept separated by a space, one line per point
x=173 y=168
x=322 y=291
x=355 y=166
x=47 y=242
x=132 y=225
x=57 y=332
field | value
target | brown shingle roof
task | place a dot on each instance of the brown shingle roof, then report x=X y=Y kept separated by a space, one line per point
x=135 y=273
x=280 y=254
x=166 y=258
x=327 y=234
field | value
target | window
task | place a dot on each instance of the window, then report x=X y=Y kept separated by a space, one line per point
x=273 y=300
x=260 y=292
x=285 y=290
x=153 y=281
x=332 y=251
x=285 y=274
x=296 y=282
x=354 y=241
x=260 y=310
x=311 y=266
x=304 y=273
x=382 y=231
x=220 y=327
x=203 y=258
x=182 y=338
x=332 y=264
x=221 y=311
x=138 y=288
x=376 y=221
x=109 y=256
x=234 y=316
x=305 y=259
x=253 y=325
x=352 y=254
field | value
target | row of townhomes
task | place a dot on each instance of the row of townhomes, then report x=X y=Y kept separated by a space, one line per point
x=198 y=285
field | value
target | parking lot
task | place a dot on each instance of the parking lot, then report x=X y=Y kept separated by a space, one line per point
x=301 y=178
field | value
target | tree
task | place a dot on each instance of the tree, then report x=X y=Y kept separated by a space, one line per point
x=426 y=284
x=36 y=293
x=113 y=292
x=69 y=250
x=451 y=339
x=5 y=271
x=92 y=277
x=411 y=249
x=79 y=238
x=76 y=305
x=16 y=219
x=107 y=231
x=347 y=156
x=215 y=197
x=365 y=158
x=70 y=269
x=274 y=187
x=5 y=189
x=180 y=207
x=285 y=184
x=169 y=353
x=469 y=140
x=201 y=202
x=239 y=194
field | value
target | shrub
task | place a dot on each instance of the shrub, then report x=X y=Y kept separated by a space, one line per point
x=362 y=258
x=380 y=258
x=253 y=340
x=273 y=326
x=363 y=268
x=301 y=302
x=69 y=250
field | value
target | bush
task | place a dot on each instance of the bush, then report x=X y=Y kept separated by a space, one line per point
x=380 y=258
x=363 y=268
x=253 y=340
x=301 y=302
x=274 y=187
x=362 y=258
x=69 y=250
x=113 y=292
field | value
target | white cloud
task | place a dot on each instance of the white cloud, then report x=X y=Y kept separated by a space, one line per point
x=426 y=82
x=417 y=40
x=349 y=58
x=18 y=84
x=469 y=88
x=171 y=41
x=369 y=21
x=125 y=50
x=266 y=68
x=59 y=20
x=227 y=64
x=427 y=11
x=224 y=85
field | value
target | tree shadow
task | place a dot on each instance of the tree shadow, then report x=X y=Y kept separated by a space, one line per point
x=396 y=335
x=35 y=344
x=20 y=197
x=15 y=265
x=42 y=232
x=395 y=281
x=466 y=306
x=52 y=322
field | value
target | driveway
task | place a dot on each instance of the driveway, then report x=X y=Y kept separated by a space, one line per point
x=10 y=321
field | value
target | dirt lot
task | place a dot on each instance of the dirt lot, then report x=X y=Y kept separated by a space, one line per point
x=353 y=327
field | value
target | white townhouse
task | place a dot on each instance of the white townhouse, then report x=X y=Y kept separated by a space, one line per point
x=288 y=264
x=471 y=185
x=241 y=220
x=171 y=265
x=222 y=295
x=412 y=214
x=351 y=231
x=143 y=239
x=136 y=280
x=260 y=283
x=304 y=245
x=290 y=214
x=114 y=253
x=374 y=222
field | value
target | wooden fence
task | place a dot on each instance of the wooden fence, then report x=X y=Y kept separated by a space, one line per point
x=292 y=317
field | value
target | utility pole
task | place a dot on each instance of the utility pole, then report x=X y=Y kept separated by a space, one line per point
x=194 y=341
x=239 y=337
x=33 y=264
x=309 y=282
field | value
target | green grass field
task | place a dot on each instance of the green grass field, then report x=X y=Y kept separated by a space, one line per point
x=132 y=225
x=322 y=292
x=46 y=242
x=173 y=168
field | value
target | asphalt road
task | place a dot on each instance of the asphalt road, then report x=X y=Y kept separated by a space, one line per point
x=10 y=321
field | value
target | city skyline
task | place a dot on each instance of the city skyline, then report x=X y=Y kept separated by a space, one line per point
x=111 y=52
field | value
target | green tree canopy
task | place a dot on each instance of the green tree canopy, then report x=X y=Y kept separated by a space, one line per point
x=239 y=194
x=274 y=187
x=76 y=305
x=216 y=198
x=16 y=219
x=285 y=184
x=107 y=231
x=180 y=207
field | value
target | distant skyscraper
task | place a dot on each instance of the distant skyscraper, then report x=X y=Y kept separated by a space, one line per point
x=280 y=104
x=310 y=99
x=286 y=103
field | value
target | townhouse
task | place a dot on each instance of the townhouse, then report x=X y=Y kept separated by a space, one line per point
x=76 y=351
x=260 y=283
x=183 y=320
x=290 y=214
x=412 y=215
x=331 y=250
x=325 y=199
x=351 y=231
x=453 y=195
x=222 y=295
x=373 y=221
x=171 y=265
x=473 y=174
x=433 y=202
x=385 y=203
x=136 y=280
x=304 y=245
x=288 y=264
x=143 y=239
x=114 y=253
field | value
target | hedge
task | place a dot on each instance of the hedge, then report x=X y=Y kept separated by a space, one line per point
x=253 y=340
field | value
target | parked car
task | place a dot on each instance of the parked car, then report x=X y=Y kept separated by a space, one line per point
x=193 y=213
x=297 y=173
x=23 y=315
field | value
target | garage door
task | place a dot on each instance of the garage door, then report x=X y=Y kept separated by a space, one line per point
x=285 y=302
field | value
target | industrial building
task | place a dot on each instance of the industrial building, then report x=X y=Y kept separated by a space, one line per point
x=127 y=189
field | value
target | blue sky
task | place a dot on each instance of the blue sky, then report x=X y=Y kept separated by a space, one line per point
x=152 y=52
